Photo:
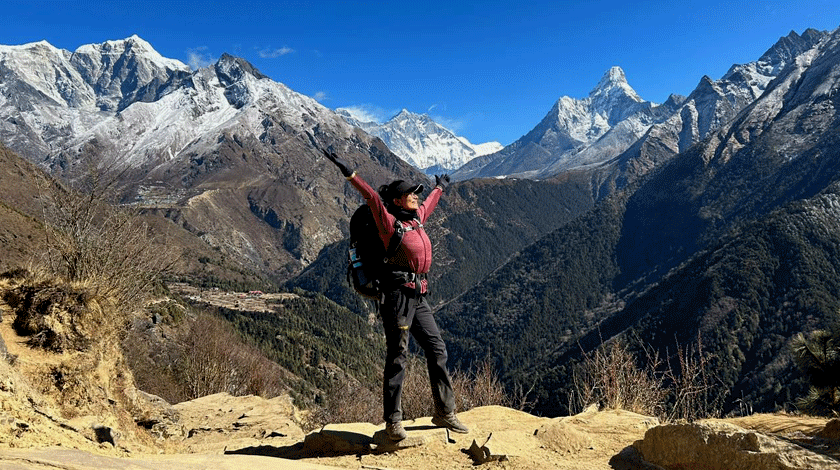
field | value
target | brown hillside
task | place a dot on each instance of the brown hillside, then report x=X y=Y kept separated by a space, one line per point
x=20 y=209
x=22 y=182
x=26 y=189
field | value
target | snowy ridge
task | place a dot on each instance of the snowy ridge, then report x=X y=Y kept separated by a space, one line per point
x=422 y=142
x=46 y=70
x=713 y=104
x=574 y=133
x=104 y=54
x=610 y=121
x=53 y=103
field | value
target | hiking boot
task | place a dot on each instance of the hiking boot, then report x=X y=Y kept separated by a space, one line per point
x=395 y=431
x=451 y=422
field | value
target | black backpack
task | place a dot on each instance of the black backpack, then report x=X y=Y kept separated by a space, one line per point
x=367 y=253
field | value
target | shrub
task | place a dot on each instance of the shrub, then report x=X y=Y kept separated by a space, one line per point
x=92 y=240
x=58 y=317
x=214 y=359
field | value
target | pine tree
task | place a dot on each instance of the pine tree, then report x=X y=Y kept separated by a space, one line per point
x=817 y=355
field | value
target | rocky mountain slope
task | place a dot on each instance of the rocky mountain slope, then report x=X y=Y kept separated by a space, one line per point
x=733 y=242
x=20 y=210
x=422 y=142
x=26 y=211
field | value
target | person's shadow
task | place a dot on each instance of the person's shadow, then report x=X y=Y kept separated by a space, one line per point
x=336 y=443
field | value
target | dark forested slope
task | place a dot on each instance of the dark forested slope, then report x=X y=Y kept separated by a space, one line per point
x=732 y=239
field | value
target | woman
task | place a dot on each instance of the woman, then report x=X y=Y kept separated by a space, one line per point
x=404 y=308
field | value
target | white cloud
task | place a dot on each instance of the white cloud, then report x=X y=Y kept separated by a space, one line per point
x=320 y=96
x=198 y=57
x=269 y=53
x=453 y=124
x=366 y=113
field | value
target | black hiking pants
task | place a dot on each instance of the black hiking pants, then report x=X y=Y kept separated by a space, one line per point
x=404 y=311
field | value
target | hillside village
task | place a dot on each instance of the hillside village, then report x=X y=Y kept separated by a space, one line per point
x=251 y=301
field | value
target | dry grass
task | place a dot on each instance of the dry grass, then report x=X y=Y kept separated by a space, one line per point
x=610 y=377
x=675 y=388
x=692 y=385
x=352 y=403
x=477 y=387
x=348 y=402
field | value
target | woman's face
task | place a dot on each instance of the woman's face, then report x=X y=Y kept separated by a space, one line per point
x=409 y=201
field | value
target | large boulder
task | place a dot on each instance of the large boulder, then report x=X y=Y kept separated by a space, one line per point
x=722 y=446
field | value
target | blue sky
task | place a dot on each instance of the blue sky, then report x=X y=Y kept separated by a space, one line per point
x=488 y=70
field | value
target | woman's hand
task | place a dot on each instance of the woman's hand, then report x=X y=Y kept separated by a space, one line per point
x=342 y=164
x=442 y=181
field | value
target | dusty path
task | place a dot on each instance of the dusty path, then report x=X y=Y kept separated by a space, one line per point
x=583 y=442
x=70 y=459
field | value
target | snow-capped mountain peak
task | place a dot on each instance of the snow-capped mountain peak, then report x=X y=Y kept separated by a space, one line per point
x=422 y=142
x=613 y=98
x=133 y=45
x=574 y=133
x=405 y=114
x=232 y=69
x=105 y=76
x=585 y=120
x=614 y=82
x=109 y=65
x=45 y=68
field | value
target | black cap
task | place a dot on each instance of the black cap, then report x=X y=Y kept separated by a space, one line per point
x=400 y=187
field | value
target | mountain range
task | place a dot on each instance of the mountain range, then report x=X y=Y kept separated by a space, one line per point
x=422 y=142
x=710 y=217
x=579 y=133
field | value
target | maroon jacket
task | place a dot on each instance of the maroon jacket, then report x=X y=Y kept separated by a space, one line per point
x=415 y=251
